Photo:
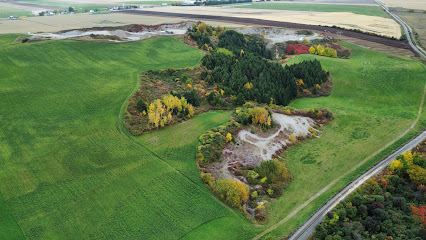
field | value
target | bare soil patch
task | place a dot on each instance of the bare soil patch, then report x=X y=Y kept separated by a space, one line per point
x=253 y=148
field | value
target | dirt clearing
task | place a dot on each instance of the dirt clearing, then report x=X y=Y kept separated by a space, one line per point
x=252 y=149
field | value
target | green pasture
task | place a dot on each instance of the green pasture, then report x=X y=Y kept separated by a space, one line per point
x=369 y=112
x=68 y=171
x=6 y=12
x=358 y=9
x=65 y=4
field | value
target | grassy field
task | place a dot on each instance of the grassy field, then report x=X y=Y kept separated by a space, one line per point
x=358 y=9
x=66 y=4
x=370 y=111
x=7 y=12
x=68 y=171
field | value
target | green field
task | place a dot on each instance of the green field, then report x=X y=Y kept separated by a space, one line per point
x=369 y=112
x=67 y=170
x=7 y=12
x=65 y=4
x=358 y=9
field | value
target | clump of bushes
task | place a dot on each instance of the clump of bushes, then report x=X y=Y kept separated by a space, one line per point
x=296 y=49
x=232 y=191
x=272 y=175
x=163 y=111
x=213 y=141
x=304 y=32
x=254 y=115
x=323 y=51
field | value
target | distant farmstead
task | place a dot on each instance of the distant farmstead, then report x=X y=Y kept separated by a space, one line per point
x=37 y=12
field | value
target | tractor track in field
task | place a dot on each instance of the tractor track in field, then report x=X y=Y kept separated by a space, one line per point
x=119 y=122
x=271 y=23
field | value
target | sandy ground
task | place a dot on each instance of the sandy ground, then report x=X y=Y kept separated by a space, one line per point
x=77 y=21
x=379 y=25
x=255 y=148
x=410 y=4
x=277 y=35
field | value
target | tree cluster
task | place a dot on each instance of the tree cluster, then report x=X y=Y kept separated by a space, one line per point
x=389 y=206
x=323 y=51
x=239 y=65
x=213 y=141
x=239 y=43
x=161 y=111
x=266 y=79
x=310 y=72
x=255 y=115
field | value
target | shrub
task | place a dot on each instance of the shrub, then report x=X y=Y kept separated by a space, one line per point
x=192 y=97
x=296 y=49
x=141 y=106
x=232 y=191
x=274 y=171
x=228 y=137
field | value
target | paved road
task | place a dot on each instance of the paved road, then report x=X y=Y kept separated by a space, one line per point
x=407 y=29
x=308 y=227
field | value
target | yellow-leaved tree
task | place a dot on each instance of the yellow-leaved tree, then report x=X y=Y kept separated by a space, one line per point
x=261 y=116
x=228 y=137
x=248 y=85
x=312 y=50
x=232 y=191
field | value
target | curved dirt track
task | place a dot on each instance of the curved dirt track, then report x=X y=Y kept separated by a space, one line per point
x=252 y=21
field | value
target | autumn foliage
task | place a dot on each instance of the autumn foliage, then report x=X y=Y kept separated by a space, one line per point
x=261 y=116
x=161 y=111
x=420 y=213
x=296 y=49
x=232 y=191
x=391 y=205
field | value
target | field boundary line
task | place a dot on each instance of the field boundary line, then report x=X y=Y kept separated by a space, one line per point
x=120 y=126
x=294 y=212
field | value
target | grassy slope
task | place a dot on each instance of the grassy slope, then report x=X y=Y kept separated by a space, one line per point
x=358 y=9
x=370 y=112
x=65 y=170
